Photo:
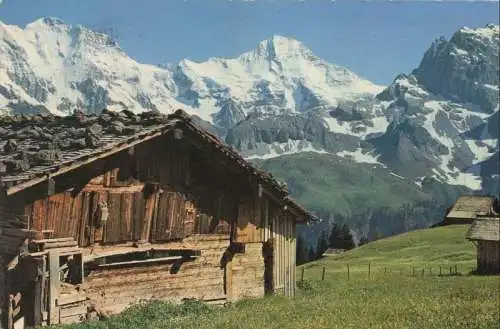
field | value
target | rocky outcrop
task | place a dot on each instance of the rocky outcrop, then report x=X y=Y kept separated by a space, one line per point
x=465 y=68
x=255 y=133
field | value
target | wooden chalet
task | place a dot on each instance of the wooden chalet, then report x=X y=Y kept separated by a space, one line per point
x=469 y=207
x=485 y=234
x=100 y=211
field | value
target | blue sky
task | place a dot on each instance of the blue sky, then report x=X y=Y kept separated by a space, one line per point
x=376 y=39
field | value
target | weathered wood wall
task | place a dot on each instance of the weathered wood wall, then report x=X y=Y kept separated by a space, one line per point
x=488 y=257
x=284 y=242
x=172 y=196
x=113 y=289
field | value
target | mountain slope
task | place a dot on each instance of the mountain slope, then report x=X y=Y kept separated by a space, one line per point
x=446 y=111
x=371 y=198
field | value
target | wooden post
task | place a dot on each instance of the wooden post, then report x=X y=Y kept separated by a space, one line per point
x=423 y=271
x=39 y=292
x=10 y=314
x=323 y=274
x=385 y=270
x=456 y=269
x=440 y=270
x=53 y=287
x=347 y=271
x=369 y=270
x=451 y=270
x=302 y=275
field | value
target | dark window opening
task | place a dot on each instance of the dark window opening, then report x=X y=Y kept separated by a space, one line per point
x=141 y=258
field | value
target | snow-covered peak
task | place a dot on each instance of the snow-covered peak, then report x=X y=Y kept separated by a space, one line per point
x=488 y=32
x=277 y=48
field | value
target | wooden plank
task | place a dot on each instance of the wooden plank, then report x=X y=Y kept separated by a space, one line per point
x=126 y=231
x=148 y=217
x=72 y=311
x=61 y=223
x=63 y=244
x=65 y=299
x=39 y=214
x=55 y=204
x=143 y=261
x=39 y=292
x=112 y=234
x=178 y=228
x=84 y=222
x=55 y=240
x=189 y=218
x=100 y=229
x=54 y=283
x=138 y=214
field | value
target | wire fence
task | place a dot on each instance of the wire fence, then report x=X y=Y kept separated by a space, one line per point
x=371 y=271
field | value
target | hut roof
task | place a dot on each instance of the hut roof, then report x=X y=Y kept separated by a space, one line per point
x=472 y=206
x=487 y=229
x=34 y=147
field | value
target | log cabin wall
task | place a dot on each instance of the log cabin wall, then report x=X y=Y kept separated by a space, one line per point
x=171 y=195
x=488 y=257
x=112 y=290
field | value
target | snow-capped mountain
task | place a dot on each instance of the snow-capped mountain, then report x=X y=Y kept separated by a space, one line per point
x=61 y=67
x=446 y=111
x=55 y=67
x=278 y=98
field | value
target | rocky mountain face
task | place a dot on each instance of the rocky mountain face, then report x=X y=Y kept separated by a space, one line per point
x=439 y=122
x=446 y=112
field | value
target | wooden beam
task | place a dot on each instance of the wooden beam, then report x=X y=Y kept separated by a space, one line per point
x=144 y=261
x=53 y=287
x=74 y=165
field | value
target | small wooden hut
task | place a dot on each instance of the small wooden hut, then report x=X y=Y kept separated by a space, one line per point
x=100 y=211
x=469 y=207
x=485 y=234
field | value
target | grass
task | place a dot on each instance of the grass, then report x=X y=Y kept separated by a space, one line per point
x=384 y=300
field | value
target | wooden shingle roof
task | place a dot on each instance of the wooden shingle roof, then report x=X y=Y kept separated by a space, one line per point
x=472 y=206
x=32 y=148
x=486 y=229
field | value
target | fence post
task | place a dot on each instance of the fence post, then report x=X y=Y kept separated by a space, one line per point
x=456 y=269
x=302 y=275
x=323 y=274
x=423 y=271
x=440 y=270
x=369 y=270
x=347 y=271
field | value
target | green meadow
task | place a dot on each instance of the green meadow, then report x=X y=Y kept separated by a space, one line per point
x=384 y=288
